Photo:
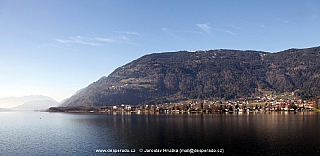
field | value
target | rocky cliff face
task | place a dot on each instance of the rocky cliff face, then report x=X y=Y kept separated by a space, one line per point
x=212 y=74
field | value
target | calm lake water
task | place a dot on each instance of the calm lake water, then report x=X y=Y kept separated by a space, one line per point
x=38 y=133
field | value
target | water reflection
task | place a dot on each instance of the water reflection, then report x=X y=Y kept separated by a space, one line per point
x=237 y=133
x=256 y=133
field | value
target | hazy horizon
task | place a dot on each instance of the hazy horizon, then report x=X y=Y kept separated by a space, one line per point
x=11 y=102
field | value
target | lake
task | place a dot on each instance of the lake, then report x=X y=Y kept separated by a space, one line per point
x=43 y=133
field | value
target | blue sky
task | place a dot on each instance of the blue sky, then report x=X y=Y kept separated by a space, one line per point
x=57 y=47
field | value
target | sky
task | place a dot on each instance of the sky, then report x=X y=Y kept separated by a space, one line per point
x=56 y=47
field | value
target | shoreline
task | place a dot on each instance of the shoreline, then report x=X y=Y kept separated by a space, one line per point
x=112 y=110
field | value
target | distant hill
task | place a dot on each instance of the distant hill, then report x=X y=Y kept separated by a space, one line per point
x=210 y=74
x=15 y=101
x=4 y=110
x=36 y=105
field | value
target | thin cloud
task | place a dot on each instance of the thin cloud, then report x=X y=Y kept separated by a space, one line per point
x=132 y=33
x=205 y=27
x=91 y=41
x=108 y=40
x=78 y=40
x=170 y=32
x=284 y=21
x=63 y=41
x=128 y=32
x=82 y=40
x=226 y=31
x=123 y=38
x=174 y=32
x=232 y=25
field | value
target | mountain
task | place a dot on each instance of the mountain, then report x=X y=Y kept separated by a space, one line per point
x=4 y=110
x=64 y=100
x=36 y=105
x=15 y=101
x=210 y=74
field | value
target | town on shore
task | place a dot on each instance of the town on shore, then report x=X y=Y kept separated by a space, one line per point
x=267 y=102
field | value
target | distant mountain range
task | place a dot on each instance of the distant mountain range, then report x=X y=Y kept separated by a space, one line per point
x=210 y=74
x=23 y=102
x=4 y=110
x=36 y=105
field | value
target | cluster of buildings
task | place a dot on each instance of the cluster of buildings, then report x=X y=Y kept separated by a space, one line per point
x=257 y=104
